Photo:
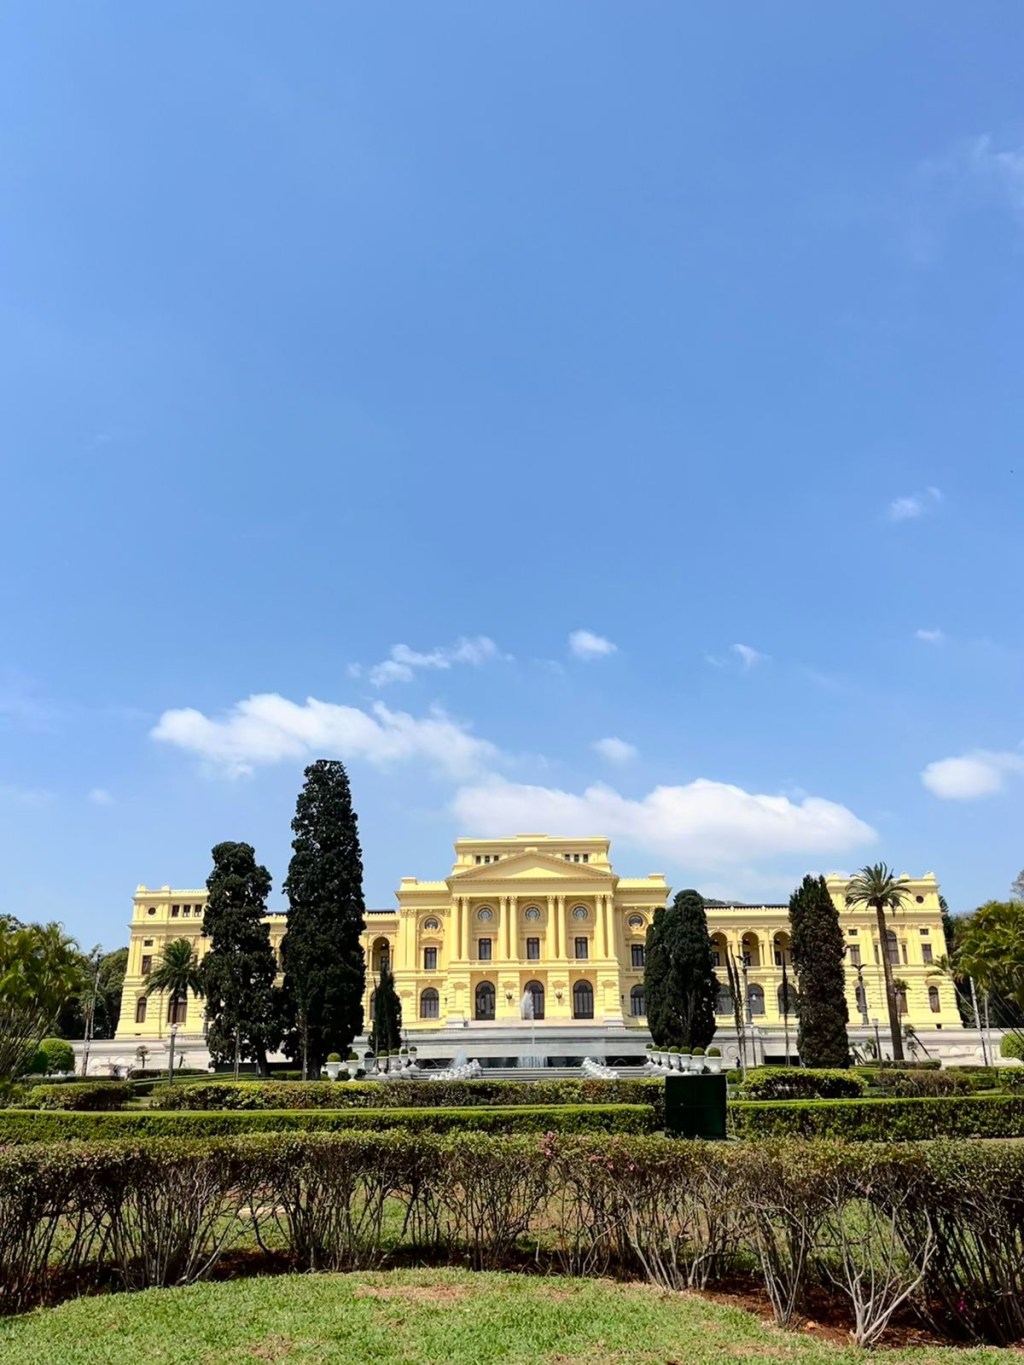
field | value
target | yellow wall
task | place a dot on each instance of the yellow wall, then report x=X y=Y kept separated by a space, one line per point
x=556 y=891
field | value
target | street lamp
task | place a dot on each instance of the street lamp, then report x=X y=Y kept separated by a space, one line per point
x=170 y=1060
x=878 y=1042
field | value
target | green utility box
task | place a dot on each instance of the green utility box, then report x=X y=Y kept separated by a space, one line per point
x=695 y=1106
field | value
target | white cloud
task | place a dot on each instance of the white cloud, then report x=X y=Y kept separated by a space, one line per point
x=970 y=776
x=586 y=645
x=614 y=750
x=402 y=661
x=930 y=637
x=266 y=728
x=977 y=169
x=914 y=505
x=748 y=655
x=705 y=825
x=99 y=796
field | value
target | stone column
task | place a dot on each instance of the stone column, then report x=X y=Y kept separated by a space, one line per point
x=560 y=935
x=551 y=939
x=512 y=928
x=464 y=928
x=600 y=929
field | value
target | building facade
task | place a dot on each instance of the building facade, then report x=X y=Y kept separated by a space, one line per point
x=535 y=929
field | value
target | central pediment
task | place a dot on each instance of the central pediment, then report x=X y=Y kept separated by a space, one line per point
x=532 y=865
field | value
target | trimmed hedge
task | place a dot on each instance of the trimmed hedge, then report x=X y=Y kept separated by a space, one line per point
x=1012 y=1045
x=801 y=1083
x=280 y=1095
x=20 y=1125
x=84 y=1096
x=939 y=1226
x=914 y=1084
x=897 y=1120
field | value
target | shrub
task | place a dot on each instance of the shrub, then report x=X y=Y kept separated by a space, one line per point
x=897 y=1120
x=52 y=1054
x=937 y=1224
x=17 y=1126
x=1012 y=1045
x=387 y=1094
x=794 y=1083
x=334 y=1056
x=83 y=1096
x=903 y=1084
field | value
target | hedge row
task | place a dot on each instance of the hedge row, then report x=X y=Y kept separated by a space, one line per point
x=936 y=1225
x=801 y=1083
x=208 y=1095
x=20 y=1125
x=897 y=1120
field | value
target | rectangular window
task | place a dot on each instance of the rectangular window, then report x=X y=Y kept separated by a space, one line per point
x=926 y=952
x=147 y=943
x=581 y=949
x=925 y=933
x=567 y=857
x=430 y=959
x=478 y=859
x=175 y=911
x=854 y=954
x=147 y=963
x=533 y=950
x=483 y=950
x=639 y=954
x=586 y=857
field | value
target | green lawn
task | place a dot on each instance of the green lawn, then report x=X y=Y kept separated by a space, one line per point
x=420 y=1318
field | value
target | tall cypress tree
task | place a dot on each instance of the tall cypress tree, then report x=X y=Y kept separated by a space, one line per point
x=238 y=971
x=387 y=1012
x=679 y=979
x=817 y=946
x=325 y=971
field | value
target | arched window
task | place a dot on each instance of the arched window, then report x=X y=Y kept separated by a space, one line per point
x=140 y=1010
x=532 y=914
x=901 y=999
x=933 y=999
x=755 y=999
x=787 y=999
x=638 y=1003
x=723 y=1005
x=580 y=912
x=861 y=998
x=750 y=951
x=430 y=1005
x=431 y=926
x=485 y=913
x=484 y=1001
x=719 y=952
x=535 y=1003
x=583 y=1000
x=892 y=947
x=177 y=1011
x=780 y=947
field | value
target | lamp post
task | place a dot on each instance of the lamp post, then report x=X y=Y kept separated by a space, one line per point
x=90 y=1016
x=170 y=1060
x=878 y=1042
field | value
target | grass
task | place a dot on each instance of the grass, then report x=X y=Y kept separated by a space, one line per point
x=422 y=1318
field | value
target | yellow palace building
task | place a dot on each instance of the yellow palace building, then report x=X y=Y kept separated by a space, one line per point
x=540 y=933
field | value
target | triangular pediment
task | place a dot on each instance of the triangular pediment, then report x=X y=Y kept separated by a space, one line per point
x=533 y=865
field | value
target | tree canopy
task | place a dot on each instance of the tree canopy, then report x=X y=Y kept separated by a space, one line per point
x=40 y=970
x=990 y=949
x=387 y=1012
x=817 y=947
x=679 y=979
x=877 y=886
x=322 y=954
x=239 y=970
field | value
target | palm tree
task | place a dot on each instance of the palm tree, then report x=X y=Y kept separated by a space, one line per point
x=177 y=974
x=878 y=886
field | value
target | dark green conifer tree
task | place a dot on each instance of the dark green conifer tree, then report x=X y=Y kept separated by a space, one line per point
x=679 y=979
x=324 y=966
x=818 y=948
x=238 y=971
x=387 y=1012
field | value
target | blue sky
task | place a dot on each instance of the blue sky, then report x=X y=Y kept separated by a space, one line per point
x=607 y=374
